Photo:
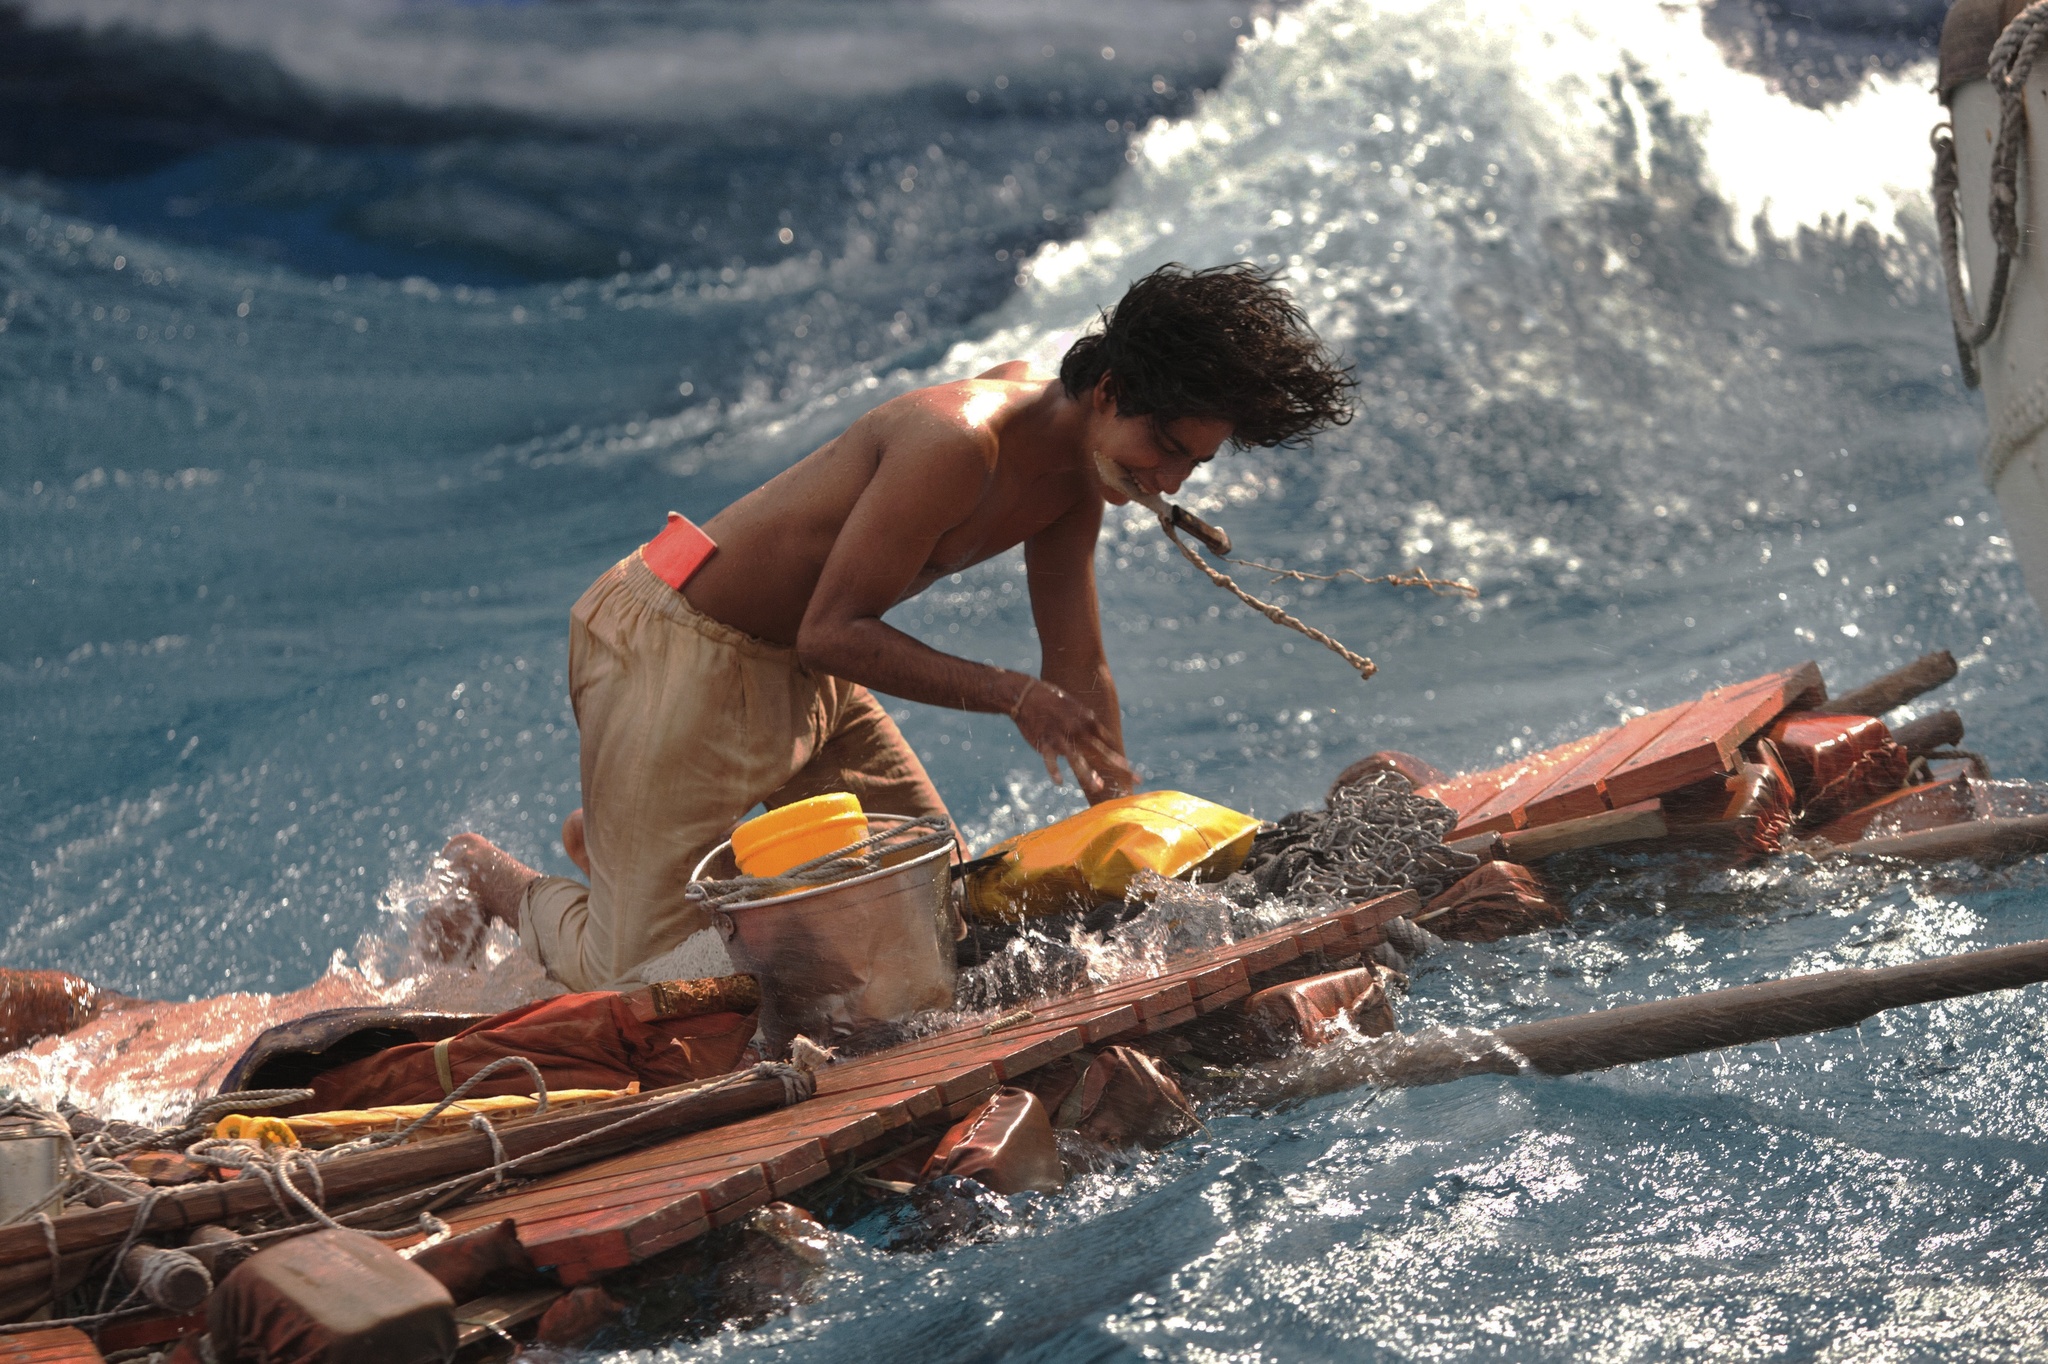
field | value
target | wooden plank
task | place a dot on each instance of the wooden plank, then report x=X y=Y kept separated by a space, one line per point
x=539 y=1202
x=1650 y=754
x=776 y=1160
x=1210 y=979
x=593 y=1219
x=487 y=1317
x=611 y=1256
x=1704 y=743
x=1527 y=778
x=1011 y=1052
x=137 y=1332
x=1629 y=824
x=1372 y=913
x=1268 y=955
x=1578 y=790
x=1219 y=999
x=1169 y=998
x=58 y=1345
x=1469 y=792
x=738 y=1208
x=1321 y=936
x=1131 y=992
x=1111 y=1023
x=787 y=1185
x=913 y=1098
x=534 y=1208
x=950 y=1081
x=714 y=1180
x=1172 y=1020
x=967 y=1103
x=615 y=1238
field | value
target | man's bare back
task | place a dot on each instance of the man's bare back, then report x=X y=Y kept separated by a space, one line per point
x=775 y=542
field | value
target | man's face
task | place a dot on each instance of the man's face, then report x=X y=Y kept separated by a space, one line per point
x=1138 y=453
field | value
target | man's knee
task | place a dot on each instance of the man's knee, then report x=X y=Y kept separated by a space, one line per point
x=494 y=878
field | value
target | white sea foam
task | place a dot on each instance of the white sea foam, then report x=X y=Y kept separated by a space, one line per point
x=1334 y=106
x=693 y=61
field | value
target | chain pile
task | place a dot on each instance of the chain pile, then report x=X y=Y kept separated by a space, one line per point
x=1373 y=837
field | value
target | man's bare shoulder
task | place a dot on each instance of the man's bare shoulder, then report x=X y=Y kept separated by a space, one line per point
x=1017 y=371
x=959 y=416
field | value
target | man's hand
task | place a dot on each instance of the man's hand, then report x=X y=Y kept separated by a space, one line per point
x=1059 y=726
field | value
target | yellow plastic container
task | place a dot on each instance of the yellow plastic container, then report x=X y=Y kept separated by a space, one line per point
x=1091 y=857
x=770 y=844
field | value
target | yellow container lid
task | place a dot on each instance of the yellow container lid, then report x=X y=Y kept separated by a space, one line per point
x=770 y=844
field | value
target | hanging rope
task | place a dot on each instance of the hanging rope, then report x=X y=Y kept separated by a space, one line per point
x=1442 y=587
x=2012 y=61
x=1364 y=666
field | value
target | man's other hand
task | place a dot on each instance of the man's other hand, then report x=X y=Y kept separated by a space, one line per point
x=1059 y=726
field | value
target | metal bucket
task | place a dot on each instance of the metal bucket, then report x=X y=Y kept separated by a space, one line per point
x=32 y=1166
x=869 y=949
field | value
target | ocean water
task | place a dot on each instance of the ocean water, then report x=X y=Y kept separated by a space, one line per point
x=342 y=344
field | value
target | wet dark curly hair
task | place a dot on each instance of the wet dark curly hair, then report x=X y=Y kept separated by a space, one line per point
x=1225 y=342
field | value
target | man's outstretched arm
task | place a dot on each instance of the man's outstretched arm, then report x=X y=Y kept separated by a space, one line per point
x=1059 y=565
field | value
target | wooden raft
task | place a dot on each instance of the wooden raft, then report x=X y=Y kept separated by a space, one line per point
x=1649 y=756
x=597 y=1218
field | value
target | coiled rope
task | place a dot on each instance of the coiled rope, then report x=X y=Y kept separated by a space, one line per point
x=2012 y=61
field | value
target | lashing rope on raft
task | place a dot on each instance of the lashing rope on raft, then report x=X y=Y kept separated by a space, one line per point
x=274 y=1165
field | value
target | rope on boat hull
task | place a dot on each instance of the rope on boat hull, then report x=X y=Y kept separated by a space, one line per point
x=2012 y=61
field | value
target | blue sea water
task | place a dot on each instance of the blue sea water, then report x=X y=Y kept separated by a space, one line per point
x=342 y=344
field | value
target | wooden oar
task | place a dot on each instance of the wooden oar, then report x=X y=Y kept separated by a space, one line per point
x=1986 y=841
x=1663 y=1028
x=1736 y=1017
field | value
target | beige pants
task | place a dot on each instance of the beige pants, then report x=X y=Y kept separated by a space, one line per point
x=686 y=724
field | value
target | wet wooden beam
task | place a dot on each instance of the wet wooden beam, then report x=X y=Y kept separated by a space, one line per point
x=1736 y=1017
x=1989 y=841
x=1897 y=687
x=1942 y=729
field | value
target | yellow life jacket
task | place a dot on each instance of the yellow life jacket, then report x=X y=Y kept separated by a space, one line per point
x=1091 y=857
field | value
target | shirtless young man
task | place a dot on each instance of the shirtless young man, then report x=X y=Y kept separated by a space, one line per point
x=751 y=683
